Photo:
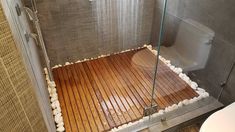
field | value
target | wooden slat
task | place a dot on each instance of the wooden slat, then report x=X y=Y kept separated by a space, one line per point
x=141 y=90
x=111 y=94
x=74 y=97
x=128 y=87
x=187 y=88
x=127 y=83
x=93 y=102
x=62 y=102
x=160 y=94
x=169 y=80
x=101 y=94
x=69 y=102
x=124 y=92
x=98 y=100
x=109 y=101
x=145 y=79
x=114 y=88
x=78 y=90
x=168 y=99
x=174 y=79
x=166 y=78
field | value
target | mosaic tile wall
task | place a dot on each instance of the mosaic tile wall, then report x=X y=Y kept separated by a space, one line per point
x=19 y=109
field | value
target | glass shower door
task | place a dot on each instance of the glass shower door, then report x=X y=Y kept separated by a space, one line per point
x=110 y=69
x=103 y=67
x=181 y=51
x=157 y=53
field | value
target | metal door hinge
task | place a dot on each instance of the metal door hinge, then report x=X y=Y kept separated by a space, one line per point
x=18 y=10
x=150 y=110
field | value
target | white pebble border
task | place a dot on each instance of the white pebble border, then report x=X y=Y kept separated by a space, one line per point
x=57 y=110
x=101 y=56
x=55 y=104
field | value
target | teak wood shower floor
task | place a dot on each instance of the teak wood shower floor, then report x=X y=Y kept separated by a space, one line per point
x=104 y=93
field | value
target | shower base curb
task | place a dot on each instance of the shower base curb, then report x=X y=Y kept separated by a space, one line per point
x=56 y=105
x=200 y=109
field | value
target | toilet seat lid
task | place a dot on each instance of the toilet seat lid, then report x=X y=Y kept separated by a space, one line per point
x=221 y=121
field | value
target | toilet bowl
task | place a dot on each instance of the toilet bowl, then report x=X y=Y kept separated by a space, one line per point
x=192 y=46
x=221 y=121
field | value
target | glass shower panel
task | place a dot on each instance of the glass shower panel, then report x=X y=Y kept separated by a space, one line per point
x=185 y=48
x=107 y=64
x=104 y=63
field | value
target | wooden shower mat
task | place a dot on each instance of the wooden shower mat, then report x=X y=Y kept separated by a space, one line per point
x=104 y=93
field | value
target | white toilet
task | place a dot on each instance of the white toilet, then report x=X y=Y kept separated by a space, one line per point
x=220 y=121
x=192 y=46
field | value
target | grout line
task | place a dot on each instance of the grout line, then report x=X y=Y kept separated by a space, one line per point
x=1 y=60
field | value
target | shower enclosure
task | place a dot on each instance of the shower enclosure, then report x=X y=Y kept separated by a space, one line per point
x=105 y=59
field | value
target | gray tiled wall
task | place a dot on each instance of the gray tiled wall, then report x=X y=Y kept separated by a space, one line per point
x=78 y=29
x=219 y=15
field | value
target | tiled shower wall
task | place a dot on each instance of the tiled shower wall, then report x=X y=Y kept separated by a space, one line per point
x=19 y=108
x=78 y=29
x=219 y=16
